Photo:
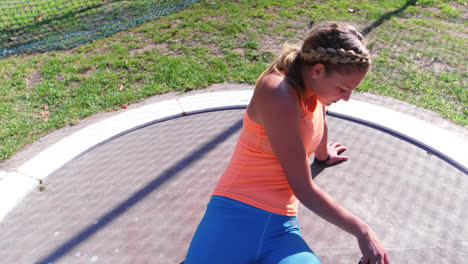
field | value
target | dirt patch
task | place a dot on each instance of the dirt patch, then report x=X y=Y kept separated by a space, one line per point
x=87 y=72
x=162 y=46
x=430 y=9
x=33 y=79
x=430 y=64
x=59 y=77
x=464 y=15
x=98 y=50
x=143 y=38
x=457 y=34
x=460 y=18
x=270 y=43
x=440 y=67
x=448 y=28
x=464 y=8
x=239 y=51
x=462 y=33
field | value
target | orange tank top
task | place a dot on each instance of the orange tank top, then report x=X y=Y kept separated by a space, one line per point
x=254 y=174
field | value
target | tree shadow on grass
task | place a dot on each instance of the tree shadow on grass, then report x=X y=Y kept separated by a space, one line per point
x=387 y=16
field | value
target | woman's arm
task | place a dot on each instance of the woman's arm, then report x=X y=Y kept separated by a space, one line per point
x=321 y=153
x=279 y=112
x=329 y=151
x=280 y=115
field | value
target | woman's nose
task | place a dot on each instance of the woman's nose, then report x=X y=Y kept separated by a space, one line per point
x=345 y=97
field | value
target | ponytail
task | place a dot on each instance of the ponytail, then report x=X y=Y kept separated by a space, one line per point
x=289 y=53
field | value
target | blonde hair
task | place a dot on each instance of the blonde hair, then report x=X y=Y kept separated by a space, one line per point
x=338 y=46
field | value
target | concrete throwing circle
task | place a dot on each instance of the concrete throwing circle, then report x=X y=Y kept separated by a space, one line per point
x=139 y=197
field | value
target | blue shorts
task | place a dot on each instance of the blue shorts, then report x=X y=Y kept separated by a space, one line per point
x=238 y=233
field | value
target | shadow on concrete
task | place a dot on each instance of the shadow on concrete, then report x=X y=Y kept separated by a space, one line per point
x=316 y=167
x=120 y=209
x=387 y=16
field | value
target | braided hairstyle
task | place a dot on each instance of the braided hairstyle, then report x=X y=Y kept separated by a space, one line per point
x=338 y=46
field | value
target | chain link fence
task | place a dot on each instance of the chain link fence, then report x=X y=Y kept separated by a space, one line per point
x=43 y=25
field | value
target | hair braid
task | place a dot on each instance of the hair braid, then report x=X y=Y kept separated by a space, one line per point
x=338 y=46
x=334 y=56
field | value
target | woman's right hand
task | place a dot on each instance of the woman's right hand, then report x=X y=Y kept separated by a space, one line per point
x=372 y=249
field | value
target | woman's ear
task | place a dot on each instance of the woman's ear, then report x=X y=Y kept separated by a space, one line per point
x=317 y=70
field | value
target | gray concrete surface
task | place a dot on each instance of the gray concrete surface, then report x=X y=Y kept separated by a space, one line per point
x=139 y=198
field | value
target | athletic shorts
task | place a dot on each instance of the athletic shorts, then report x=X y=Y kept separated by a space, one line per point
x=232 y=232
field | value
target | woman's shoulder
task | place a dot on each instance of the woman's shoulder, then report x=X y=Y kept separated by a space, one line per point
x=274 y=88
x=273 y=94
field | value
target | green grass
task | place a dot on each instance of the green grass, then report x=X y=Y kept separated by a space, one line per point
x=419 y=57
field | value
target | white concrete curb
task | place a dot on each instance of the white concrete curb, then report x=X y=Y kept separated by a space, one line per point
x=68 y=148
x=424 y=132
x=15 y=186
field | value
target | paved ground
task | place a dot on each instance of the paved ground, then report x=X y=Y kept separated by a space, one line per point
x=139 y=198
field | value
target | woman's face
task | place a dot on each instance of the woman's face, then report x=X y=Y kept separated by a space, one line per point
x=330 y=88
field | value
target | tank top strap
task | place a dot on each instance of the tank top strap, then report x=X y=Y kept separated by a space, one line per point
x=309 y=106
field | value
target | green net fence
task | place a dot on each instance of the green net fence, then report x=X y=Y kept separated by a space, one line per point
x=43 y=25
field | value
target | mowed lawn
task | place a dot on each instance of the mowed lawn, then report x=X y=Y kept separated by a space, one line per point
x=418 y=48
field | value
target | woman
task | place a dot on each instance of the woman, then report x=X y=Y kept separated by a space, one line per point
x=251 y=217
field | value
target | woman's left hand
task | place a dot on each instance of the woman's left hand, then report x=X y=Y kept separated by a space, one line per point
x=334 y=150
